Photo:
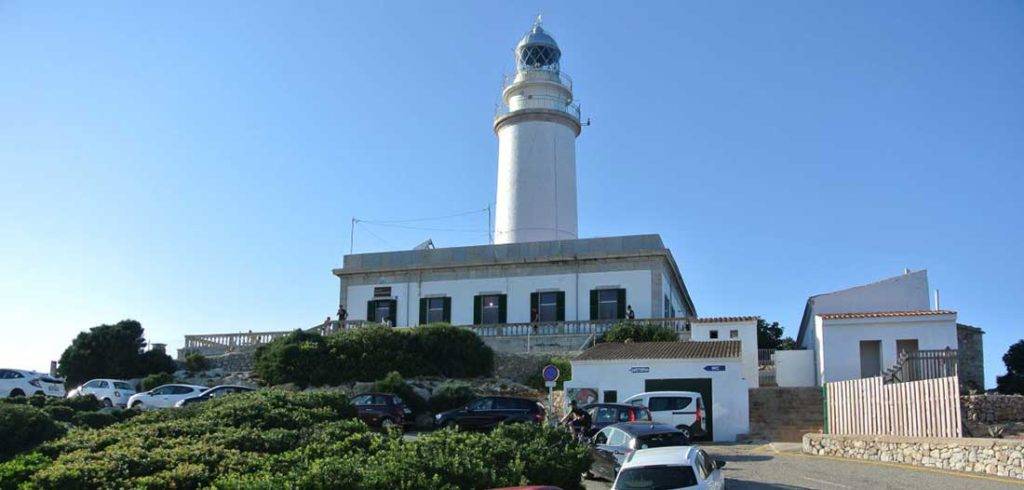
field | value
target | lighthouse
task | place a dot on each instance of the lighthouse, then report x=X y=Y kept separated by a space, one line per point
x=536 y=123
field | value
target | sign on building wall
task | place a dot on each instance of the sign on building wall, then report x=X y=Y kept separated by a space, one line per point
x=715 y=367
x=382 y=292
x=640 y=369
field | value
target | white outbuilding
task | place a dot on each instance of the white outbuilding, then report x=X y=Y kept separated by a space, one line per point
x=614 y=371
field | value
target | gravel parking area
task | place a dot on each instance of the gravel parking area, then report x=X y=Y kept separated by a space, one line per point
x=762 y=466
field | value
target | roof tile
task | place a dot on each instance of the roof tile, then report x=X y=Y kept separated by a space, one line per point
x=884 y=314
x=609 y=351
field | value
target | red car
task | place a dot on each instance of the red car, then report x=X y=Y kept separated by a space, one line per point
x=385 y=410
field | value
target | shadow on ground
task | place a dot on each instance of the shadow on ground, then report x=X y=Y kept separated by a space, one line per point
x=734 y=483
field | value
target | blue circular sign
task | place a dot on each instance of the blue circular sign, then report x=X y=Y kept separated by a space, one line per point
x=550 y=372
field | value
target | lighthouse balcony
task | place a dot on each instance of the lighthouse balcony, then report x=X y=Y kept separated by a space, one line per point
x=545 y=102
x=537 y=74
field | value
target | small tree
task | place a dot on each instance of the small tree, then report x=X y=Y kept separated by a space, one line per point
x=154 y=380
x=769 y=336
x=1013 y=381
x=196 y=363
x=111 y=351
x=635 y=332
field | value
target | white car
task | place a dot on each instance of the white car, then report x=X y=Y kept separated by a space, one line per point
x=18 y=382
x=670 y=468
x=110 y=392
x=683 y=410
x=164 y=396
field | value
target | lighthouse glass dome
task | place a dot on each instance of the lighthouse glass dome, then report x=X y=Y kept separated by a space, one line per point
x=537 y=49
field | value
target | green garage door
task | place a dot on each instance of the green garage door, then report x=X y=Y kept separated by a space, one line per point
x=700 y=385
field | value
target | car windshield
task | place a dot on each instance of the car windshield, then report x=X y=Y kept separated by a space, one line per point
x=661 y=440
x=123 y=386
x=656 y=478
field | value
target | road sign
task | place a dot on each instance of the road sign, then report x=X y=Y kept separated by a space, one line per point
x=715 y=367
x=550 y=372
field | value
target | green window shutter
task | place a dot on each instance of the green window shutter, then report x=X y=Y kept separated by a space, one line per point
x=561 y=306
x=502 y=309
x=476 y=309
x=370 y=311
x=593 y=304
x=622 y=303
x=423 y=311
x=393 y=311
x=534 y=304
x=447 y=310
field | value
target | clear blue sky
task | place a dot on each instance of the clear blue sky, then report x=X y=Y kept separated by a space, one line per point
x=195 y=166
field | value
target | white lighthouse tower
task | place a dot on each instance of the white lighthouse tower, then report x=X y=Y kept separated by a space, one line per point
x=537 y=124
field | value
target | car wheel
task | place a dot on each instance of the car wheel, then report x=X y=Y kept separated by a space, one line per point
x=686 y=432
x=387 y=424
x=17 y=392
x=450 y=424
x=107 y=403
x=39 y=393
x=137 y=405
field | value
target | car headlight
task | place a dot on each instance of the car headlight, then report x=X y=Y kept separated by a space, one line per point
x=437 y=417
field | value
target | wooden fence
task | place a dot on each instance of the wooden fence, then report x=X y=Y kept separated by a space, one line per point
x=928 y=408
x=922 y=364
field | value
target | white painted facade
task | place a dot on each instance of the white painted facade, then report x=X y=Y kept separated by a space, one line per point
x=838 y=341
x=577 y=289
x=730 y=407
x=746 y=333
x=794 y=368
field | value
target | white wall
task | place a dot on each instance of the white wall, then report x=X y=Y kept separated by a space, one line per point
x=636 y=283
x=730 y=407
x=841 y=340
x=794 y=368
x=747 y=335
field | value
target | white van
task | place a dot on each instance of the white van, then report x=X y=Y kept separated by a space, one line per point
x=683 y=410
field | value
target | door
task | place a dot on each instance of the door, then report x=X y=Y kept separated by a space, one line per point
x=699 y=385
x=870 y=358
x=609 y=449
x=478 y=414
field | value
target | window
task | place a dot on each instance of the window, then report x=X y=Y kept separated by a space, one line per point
x=607 y=304
x=382 y=310
x=181 y=390
x=616 y=438
x=489 y=309
x=668 y=403
x=550 y=306
x=482 y=404
x=8 y=374
x=734 y=334
x=661 y=440
x=643 y=414
x=362 y=400
x=656 y=477
x=103 y=385
x=603 y=415
x=713 y=334
x=435 y=310
x=906 y=345
x=602 y=437
x=121 y=385
x=611 y=396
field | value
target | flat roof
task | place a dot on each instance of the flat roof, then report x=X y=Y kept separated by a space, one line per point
x=613 y=351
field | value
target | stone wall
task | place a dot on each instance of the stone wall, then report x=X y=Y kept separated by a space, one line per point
x=970 y=357
x=1001 y=457
x=234 y=362
x=519 y=367
x=991 y=409
x=785 y=414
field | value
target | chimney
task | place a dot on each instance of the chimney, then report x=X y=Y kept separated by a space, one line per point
x=906 y=270
x=937 y=306
x=53 y=368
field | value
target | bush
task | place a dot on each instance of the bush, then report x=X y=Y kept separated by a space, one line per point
x=275 y=439
x=60 y=413
x=369 y=353
x=536 y=380
x=393 y=383
x=24 y=427
x=154 y=380
x=93 y=420
x=196 y=363
x=451 y=395
x=638 y=332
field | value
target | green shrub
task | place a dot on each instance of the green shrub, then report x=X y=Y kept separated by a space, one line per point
x=196 y=363
x=394 y=383
x=60 y=413
x=639 y=332
x=451 y=395
x=93 y=420
x=536 y=380
x=111 y=351
x=369 y=353
x=86 y=403
x=154 y=380
x=23 y=427
x=20 y=468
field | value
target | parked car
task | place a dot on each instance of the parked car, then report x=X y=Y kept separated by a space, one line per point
x=18 y=382
x=164 y=396
x=612 y=445
x=486 y=413
x=668 y=468
x=604 y=414
x=385 y=410
x=683 y=410
x=110 y=392
x=215 y=392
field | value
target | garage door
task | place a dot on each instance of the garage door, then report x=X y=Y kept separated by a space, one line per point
x=700 y=385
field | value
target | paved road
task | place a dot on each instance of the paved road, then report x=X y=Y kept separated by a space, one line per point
x=751 y=466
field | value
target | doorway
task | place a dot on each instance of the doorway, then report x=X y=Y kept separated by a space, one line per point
x=870 y=358
x=700 y=385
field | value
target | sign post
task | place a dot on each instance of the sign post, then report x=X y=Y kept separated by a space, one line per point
x=550 y=374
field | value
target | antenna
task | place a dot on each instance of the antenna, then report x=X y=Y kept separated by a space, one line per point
x=539 y=19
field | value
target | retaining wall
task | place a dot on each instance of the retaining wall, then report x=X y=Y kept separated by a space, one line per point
x=1000 y=457
x=785 y=414
x=993 y=408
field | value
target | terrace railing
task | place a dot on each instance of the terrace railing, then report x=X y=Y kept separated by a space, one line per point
x=921 y=365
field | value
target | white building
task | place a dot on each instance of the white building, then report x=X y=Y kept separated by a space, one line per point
x=613 y=372
x=859 y=332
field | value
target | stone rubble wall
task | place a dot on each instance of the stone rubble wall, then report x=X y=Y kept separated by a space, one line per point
x=785 y=414
x=1000 y=457
x=991 y=409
